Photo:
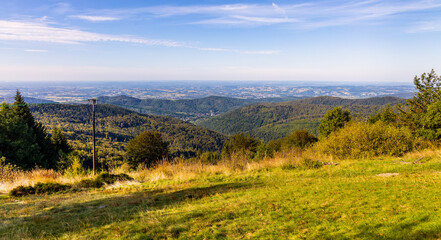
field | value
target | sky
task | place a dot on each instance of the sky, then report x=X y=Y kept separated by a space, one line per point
x=118 y=40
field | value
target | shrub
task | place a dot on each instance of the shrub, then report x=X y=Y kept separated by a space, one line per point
x=89 y=183
x=210 y=157
x=39 y=188
x=299 y=139
x=311 y=164
x=112 y=178
x=361 y=140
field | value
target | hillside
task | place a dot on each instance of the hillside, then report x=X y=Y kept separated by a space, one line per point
x=186 y=109
x=116 y=125
x=275 y=120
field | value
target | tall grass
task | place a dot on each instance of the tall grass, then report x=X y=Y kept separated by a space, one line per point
x=178 y=169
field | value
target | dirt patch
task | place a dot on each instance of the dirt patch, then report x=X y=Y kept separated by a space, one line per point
x=387 y=174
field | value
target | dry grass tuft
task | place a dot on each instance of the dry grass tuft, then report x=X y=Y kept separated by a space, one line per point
x=178 y=169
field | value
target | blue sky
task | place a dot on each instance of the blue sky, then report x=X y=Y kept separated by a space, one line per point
x=117 y=40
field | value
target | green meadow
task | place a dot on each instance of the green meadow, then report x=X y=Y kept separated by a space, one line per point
x=381 y=198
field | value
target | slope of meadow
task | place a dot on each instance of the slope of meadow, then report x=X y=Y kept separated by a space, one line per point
x=388 y=198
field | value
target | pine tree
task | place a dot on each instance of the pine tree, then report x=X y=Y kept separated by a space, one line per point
x=27 y=142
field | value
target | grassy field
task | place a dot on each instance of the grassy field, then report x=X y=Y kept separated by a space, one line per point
x=357 y=199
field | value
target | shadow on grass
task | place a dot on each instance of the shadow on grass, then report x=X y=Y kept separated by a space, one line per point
x=97 y=213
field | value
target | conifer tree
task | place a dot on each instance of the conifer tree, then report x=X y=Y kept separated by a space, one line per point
x=26 y=142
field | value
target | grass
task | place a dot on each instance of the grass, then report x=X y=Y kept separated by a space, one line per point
x=272 y=199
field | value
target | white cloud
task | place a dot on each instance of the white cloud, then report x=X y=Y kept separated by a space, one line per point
x=35 y=50
x=426 y=26
x=41 y=32
x=311 y=15
x=95 y=18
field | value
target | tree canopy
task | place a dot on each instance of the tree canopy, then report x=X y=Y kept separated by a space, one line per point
x=147 y=148
x=24 y=142
x=333 y=120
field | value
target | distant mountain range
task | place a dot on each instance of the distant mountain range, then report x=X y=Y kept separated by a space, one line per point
x=186 y=109
x=276 y=120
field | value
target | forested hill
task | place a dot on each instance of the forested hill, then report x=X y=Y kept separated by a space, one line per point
x=336 y=101
x=118 y=125
x=276 y=120
x=187 y=109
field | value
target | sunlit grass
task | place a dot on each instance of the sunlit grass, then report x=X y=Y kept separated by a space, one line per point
x=270 y=199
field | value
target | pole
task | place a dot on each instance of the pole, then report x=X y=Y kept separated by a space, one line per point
x=93 y=134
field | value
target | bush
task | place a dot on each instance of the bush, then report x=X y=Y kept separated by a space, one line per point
x=311 y=164
x=103 y=178
x=299 y=139
x=362 y=140
x=210 y=157
x=39 y=188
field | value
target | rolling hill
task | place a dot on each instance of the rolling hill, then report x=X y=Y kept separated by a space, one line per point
x=276 y=120
x=186 y=109
x=117 y=125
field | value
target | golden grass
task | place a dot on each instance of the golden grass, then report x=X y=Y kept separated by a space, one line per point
x=14 y=178
x=179 y=169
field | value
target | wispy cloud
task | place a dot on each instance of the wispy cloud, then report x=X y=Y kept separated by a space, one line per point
x=42 y=32
x=95 y=18
x=314 y=14
x=35 y=50
x=426 y=26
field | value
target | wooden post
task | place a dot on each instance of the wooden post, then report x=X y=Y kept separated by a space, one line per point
x=93 y=134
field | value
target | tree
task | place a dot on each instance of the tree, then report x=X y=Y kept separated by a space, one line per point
x=299 y=139
x=429 y=91
x=146 y=148
x=23 y=141
x=333 y=120
x=18 y=142
x=60 y=142
x=386 y=115
x=240 y=143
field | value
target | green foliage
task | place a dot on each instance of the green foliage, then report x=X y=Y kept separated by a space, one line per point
x=269 y=121
x=39 y=188
x=299 y=139
x=363 y=140
x=386 y=115
x=210 y=157
x=240 y=143
x=430 y=122
x=101 y=180
x=334 y=120
x=23 y=141
x=59 y=141
x=428 y=87
x=310 y=163
x=146 y=148
x=112 y=178
x=49 y=188
x=72 y=164
x=116 y=126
